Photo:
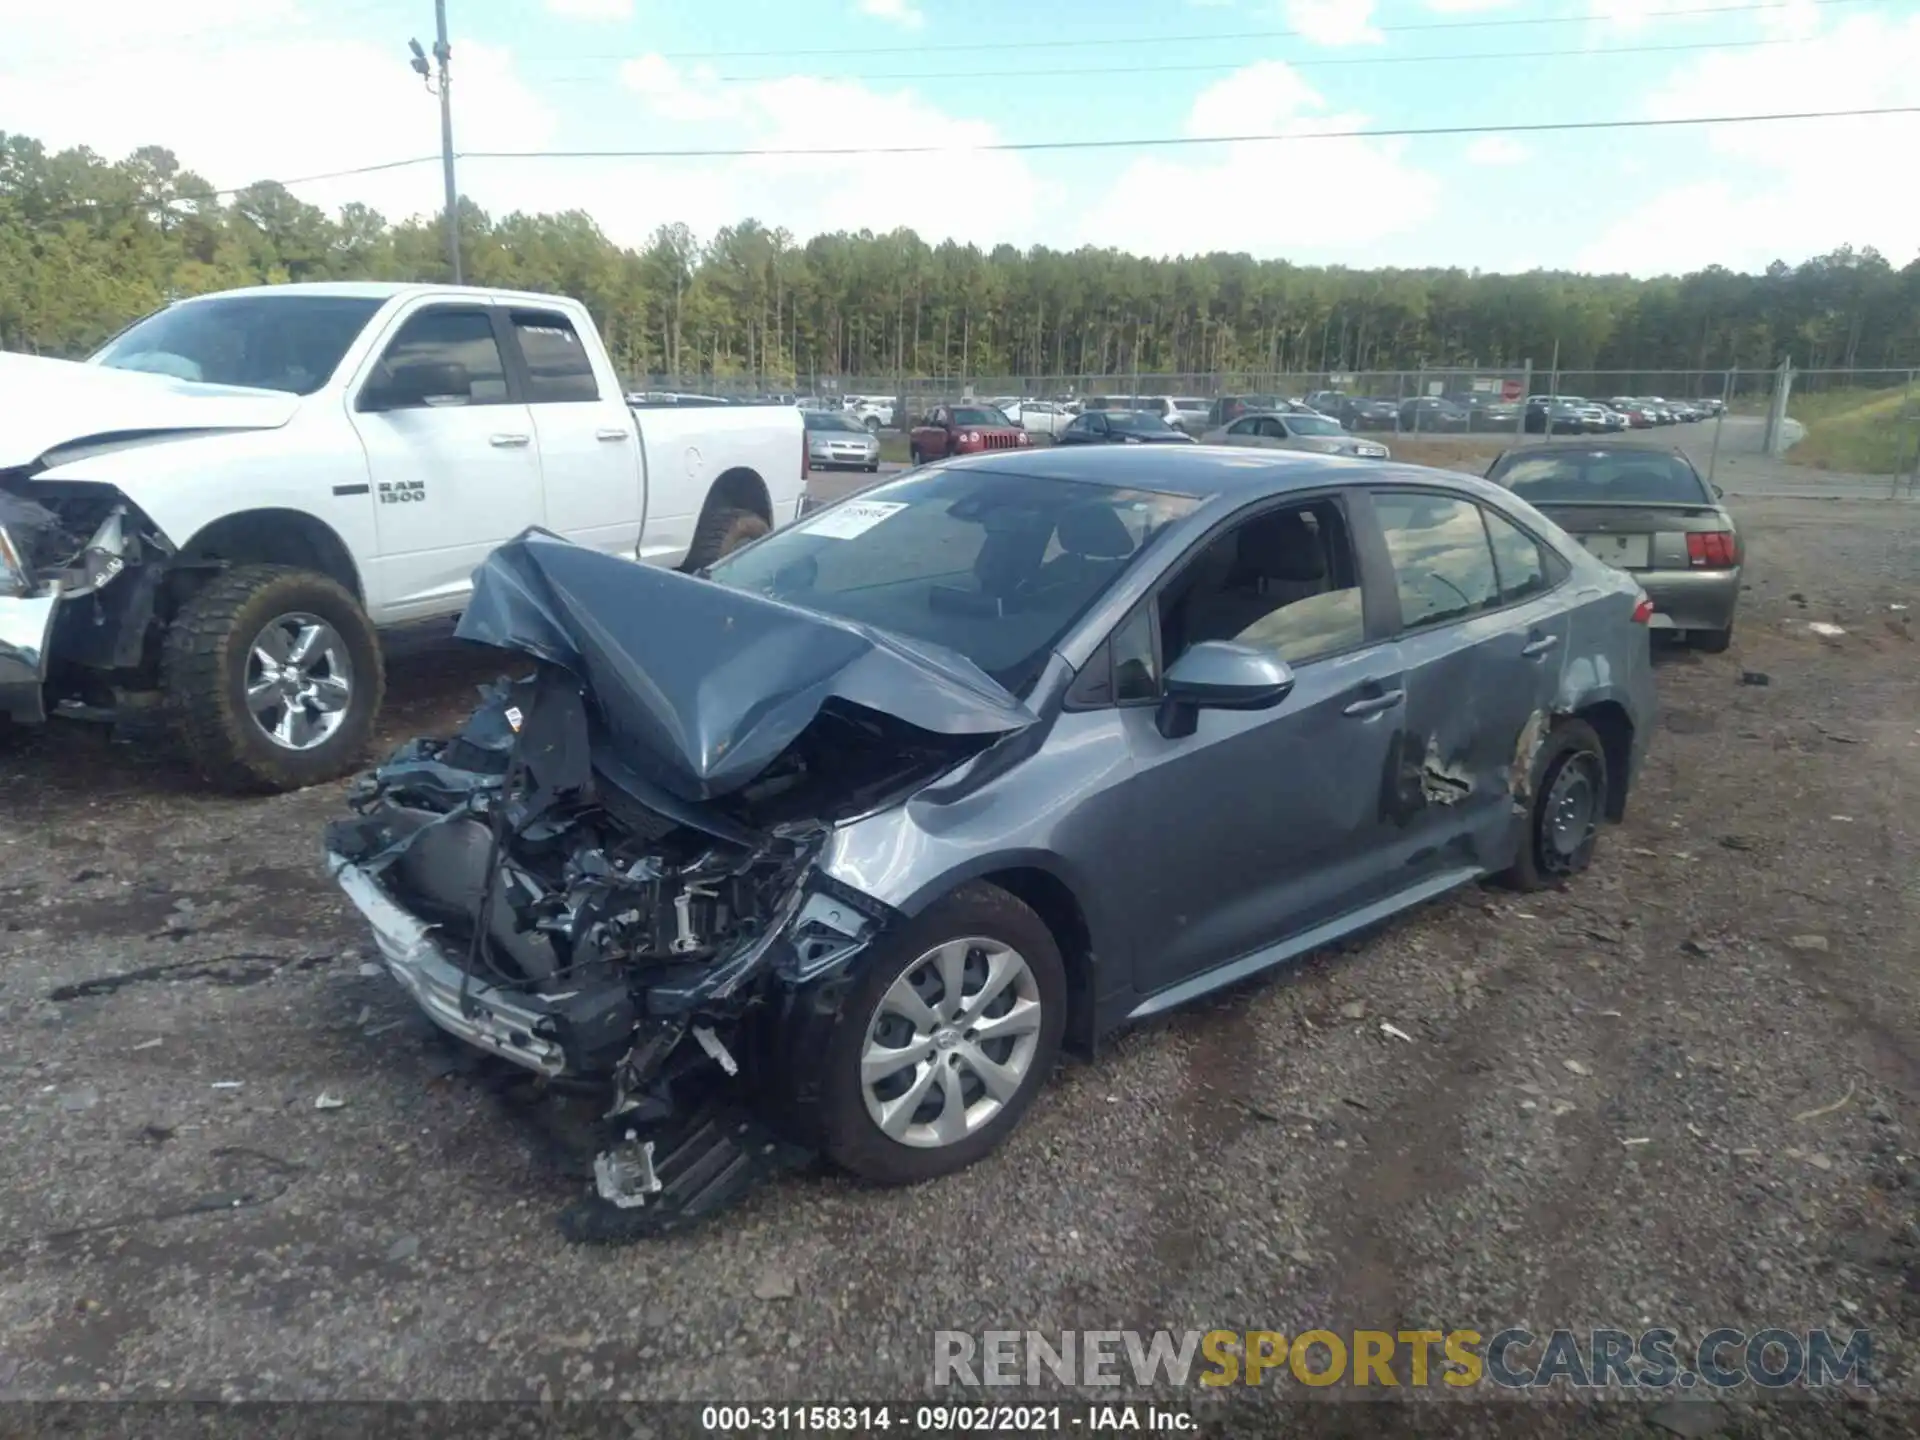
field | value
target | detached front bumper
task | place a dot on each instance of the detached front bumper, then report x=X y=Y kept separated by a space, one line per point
x=487 y=1018
x=26 y=624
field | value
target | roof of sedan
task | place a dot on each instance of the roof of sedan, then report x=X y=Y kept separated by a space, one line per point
x=1202 y=471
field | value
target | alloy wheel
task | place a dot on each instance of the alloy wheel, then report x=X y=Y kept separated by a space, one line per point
x=299 y=683
x=951 y=1042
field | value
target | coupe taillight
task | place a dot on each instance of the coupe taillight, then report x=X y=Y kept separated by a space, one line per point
x=1711 y=549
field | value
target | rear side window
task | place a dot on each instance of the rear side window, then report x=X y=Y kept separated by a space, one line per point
x=558 y=368
x=1442 y=563
x=1603 y=477
x=1522 y=570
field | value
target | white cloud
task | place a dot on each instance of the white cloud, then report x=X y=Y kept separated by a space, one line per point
x=232 y=90
x=1332 y=22
x=810 y=193
x=1240 y=199
x=592 y=9
x=1498 y=150
x=903 y=13
x=1787 y=189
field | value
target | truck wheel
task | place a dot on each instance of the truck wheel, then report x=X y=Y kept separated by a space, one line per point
x=722 y=530
x=273 y=677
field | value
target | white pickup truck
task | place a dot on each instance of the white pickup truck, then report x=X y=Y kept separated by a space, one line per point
x=208 y=521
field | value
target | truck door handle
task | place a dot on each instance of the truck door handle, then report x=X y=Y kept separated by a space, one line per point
x=1374 y=704
x=508 y=442
x=1534 y=649
x=610 y=435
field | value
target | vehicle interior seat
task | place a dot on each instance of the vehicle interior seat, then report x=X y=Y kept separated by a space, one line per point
x=1279 y=559
x=1093 y=543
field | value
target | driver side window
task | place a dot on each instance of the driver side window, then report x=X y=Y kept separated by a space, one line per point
x=461 y=337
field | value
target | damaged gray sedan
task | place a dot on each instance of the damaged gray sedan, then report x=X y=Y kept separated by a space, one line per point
x=832 y=850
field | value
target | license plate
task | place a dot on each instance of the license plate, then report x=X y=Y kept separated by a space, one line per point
x=1623 y=552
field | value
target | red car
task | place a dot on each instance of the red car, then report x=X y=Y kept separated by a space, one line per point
x=964 y=430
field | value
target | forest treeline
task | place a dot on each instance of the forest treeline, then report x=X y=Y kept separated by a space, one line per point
x=88 y=243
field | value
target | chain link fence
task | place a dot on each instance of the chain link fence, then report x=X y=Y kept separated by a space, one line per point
x=1862 y=424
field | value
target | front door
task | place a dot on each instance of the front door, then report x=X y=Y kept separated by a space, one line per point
x=1289 y=797
x=452 y=476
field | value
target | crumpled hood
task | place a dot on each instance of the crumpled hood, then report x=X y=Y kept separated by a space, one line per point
x=702 y=687
x=45 y=404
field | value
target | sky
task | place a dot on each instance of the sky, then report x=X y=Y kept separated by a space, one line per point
x=244 y=90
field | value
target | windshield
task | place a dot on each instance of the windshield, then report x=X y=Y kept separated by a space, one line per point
x=1605 y=477
x=1313 y=425
x=820 y=420
x=1139 y=422
x=996 y=567
x=269 y=342
x=971 y=415
x=1193 y=407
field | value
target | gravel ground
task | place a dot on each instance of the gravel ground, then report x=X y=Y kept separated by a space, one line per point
x=1601 y=1113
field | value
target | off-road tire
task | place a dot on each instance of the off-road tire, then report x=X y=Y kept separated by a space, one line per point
x=1710 y=642
x=1536 y=867
x=722 y=530
x=849 y=1136
x=913 y=453
x=204 y=668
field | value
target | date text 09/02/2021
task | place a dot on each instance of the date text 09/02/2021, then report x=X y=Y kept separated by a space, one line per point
x=926 y=1419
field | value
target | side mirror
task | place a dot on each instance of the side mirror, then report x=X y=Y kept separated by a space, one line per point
x=1718 y=493
x=417 y=383
x=1221 y=675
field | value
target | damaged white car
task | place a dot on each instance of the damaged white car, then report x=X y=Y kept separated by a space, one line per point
x=832 y=850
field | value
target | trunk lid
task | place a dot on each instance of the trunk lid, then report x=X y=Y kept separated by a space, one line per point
x=1642 y=536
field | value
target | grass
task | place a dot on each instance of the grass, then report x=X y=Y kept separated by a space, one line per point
x=1860 y=432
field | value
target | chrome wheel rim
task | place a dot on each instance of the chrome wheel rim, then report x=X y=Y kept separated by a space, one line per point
x=951 y=1042
x=299 y=681
x=1571 y=813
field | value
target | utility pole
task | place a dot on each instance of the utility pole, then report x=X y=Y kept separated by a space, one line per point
x=442 y=53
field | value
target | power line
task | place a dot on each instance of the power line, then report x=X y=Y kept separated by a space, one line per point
x=1362 y=61
x=1184 y=141
x=1081 y=42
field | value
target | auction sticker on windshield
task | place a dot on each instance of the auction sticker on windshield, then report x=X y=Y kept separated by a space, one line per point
x=855 y=517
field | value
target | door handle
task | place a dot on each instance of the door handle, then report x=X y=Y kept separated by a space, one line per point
x=610 y=435
x=1534 y=649
x=1374 y=704
x=508 y=442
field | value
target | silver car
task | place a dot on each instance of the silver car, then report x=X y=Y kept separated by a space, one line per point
x=1293 y=431
x=837 y=440
x=833 y=853
x=1647 y=512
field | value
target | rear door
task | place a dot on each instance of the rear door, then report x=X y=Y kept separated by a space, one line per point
x=454 y=476
x=1484 y=636
x=587 y=439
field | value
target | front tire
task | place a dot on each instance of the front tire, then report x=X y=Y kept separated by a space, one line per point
x=945 y=1039
x=272 y=677
x=1569 y=789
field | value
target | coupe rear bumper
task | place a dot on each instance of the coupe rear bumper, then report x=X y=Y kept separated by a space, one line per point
x=1691 y=599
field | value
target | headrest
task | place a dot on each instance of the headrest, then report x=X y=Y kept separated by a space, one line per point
x=1280 y=547
x=1095 y=532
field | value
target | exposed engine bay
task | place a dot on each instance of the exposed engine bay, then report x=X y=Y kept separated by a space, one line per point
x=76 y=536
x=609 y=876
x=538 y=908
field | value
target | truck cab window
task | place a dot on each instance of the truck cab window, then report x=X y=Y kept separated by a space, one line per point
x=558 y=369
x=453 y=337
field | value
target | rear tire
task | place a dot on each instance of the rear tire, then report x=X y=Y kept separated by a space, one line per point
x=1568 y=790
x=723 y=529
x=987 y=916
x=1711 y=642
x=913 y=453
x=220 y=649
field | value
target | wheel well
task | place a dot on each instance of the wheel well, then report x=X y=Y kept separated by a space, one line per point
x=742 y=489
x=276 y=537
x=1048 y=897
x=1609 y=721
